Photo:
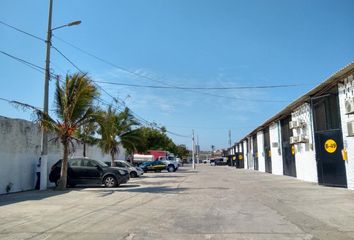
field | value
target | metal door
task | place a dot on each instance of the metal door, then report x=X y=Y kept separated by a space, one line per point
x=255 y=151
x=267 y=152
x=329 y=140
x=240 y=160
x=288 y=150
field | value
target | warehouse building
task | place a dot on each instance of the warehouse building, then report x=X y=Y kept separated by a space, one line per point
x=311 y=139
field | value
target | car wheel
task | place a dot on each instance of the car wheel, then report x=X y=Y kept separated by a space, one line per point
x=110 y=181
x=133 y=174
x=171 y=168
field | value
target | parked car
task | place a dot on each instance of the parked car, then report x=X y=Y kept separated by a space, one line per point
x=89 y=171
x=133 y=171
x=156 y=166
x=170 y=162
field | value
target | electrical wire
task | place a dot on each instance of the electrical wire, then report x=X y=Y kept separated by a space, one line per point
x=201 y=88
x=114 y=98
x=42 y=70
x=149 y=78
x=159 y=81
x=22 y=31
x=32 y=65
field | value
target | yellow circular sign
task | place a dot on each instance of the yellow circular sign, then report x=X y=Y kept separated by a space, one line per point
x=293 y=150
x=330 y=146
x=240 y=157
x=233 y=158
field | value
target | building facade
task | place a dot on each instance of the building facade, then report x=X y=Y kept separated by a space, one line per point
x=311 y=139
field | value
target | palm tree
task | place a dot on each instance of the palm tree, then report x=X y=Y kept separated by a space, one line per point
x=86 y=135
x=73 y=107
x=116 y=129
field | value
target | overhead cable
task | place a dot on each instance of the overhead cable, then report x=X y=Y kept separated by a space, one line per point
x=19 y=30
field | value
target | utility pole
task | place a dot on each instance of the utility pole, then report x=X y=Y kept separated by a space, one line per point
x=198 y=149
x=44 y=142
x=230 y=146
x=193 y=148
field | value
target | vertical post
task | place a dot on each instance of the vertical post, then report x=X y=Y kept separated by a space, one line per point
x=230 y=147
x=193 y=148
x=44 y=143
x=198 y=149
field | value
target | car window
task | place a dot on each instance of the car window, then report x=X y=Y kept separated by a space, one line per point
x=88 y=163
x=74 y=162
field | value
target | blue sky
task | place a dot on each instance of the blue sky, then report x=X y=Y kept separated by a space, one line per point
x=183 y=43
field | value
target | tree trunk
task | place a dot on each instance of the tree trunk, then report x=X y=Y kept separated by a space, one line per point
x=113 y=163
x=84 y=152
x=64 y=168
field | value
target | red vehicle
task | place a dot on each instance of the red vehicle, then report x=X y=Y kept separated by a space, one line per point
x=158 y=153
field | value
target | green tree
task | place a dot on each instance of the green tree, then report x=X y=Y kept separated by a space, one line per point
x=74 y=108
x=155 y=139
x=116 y=129
x=86 y=135
x=182 y=151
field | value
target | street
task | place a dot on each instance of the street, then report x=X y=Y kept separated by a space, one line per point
x=212 y=202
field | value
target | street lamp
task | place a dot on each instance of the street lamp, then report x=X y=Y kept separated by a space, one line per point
x=44 y=142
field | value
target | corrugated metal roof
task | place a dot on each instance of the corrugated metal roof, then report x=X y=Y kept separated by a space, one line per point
x=330 y=82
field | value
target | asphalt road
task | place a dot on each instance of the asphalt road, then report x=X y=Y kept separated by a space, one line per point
x=210 y=203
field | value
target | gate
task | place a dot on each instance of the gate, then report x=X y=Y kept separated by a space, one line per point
x=329 y=140
x=267 y=152
x=288 y=150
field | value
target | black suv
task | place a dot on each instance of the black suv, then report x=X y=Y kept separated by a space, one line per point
x=89 y=171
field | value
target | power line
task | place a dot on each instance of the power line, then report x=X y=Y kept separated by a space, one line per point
x=115 y=99
x=147 y=77
x=201 y=88
x=159 y=81
x=77 y=68
x=22 y=31
x=109 y=63
x=41 y=69
x=23 y=61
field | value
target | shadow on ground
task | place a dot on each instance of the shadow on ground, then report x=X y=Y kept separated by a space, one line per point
x=33 y=195
x=134 y=189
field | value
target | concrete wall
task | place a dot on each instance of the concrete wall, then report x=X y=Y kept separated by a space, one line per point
x=20 y=149
x=261 y=154
x=305 y=156
x=345 y=92
x=275 y=146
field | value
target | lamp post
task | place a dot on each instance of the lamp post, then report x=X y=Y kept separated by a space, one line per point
x=44 y=142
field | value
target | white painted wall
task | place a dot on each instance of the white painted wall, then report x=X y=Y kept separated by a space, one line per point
x=261 y=154
x=20 y=150
x=345 y=92
x=250 y=154
x=305 y=155
x=245 y=154
x=275 y=146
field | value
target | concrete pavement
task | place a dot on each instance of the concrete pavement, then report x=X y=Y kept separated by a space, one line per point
x=210 y=203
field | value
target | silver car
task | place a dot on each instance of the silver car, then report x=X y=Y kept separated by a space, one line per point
x=133 y=171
